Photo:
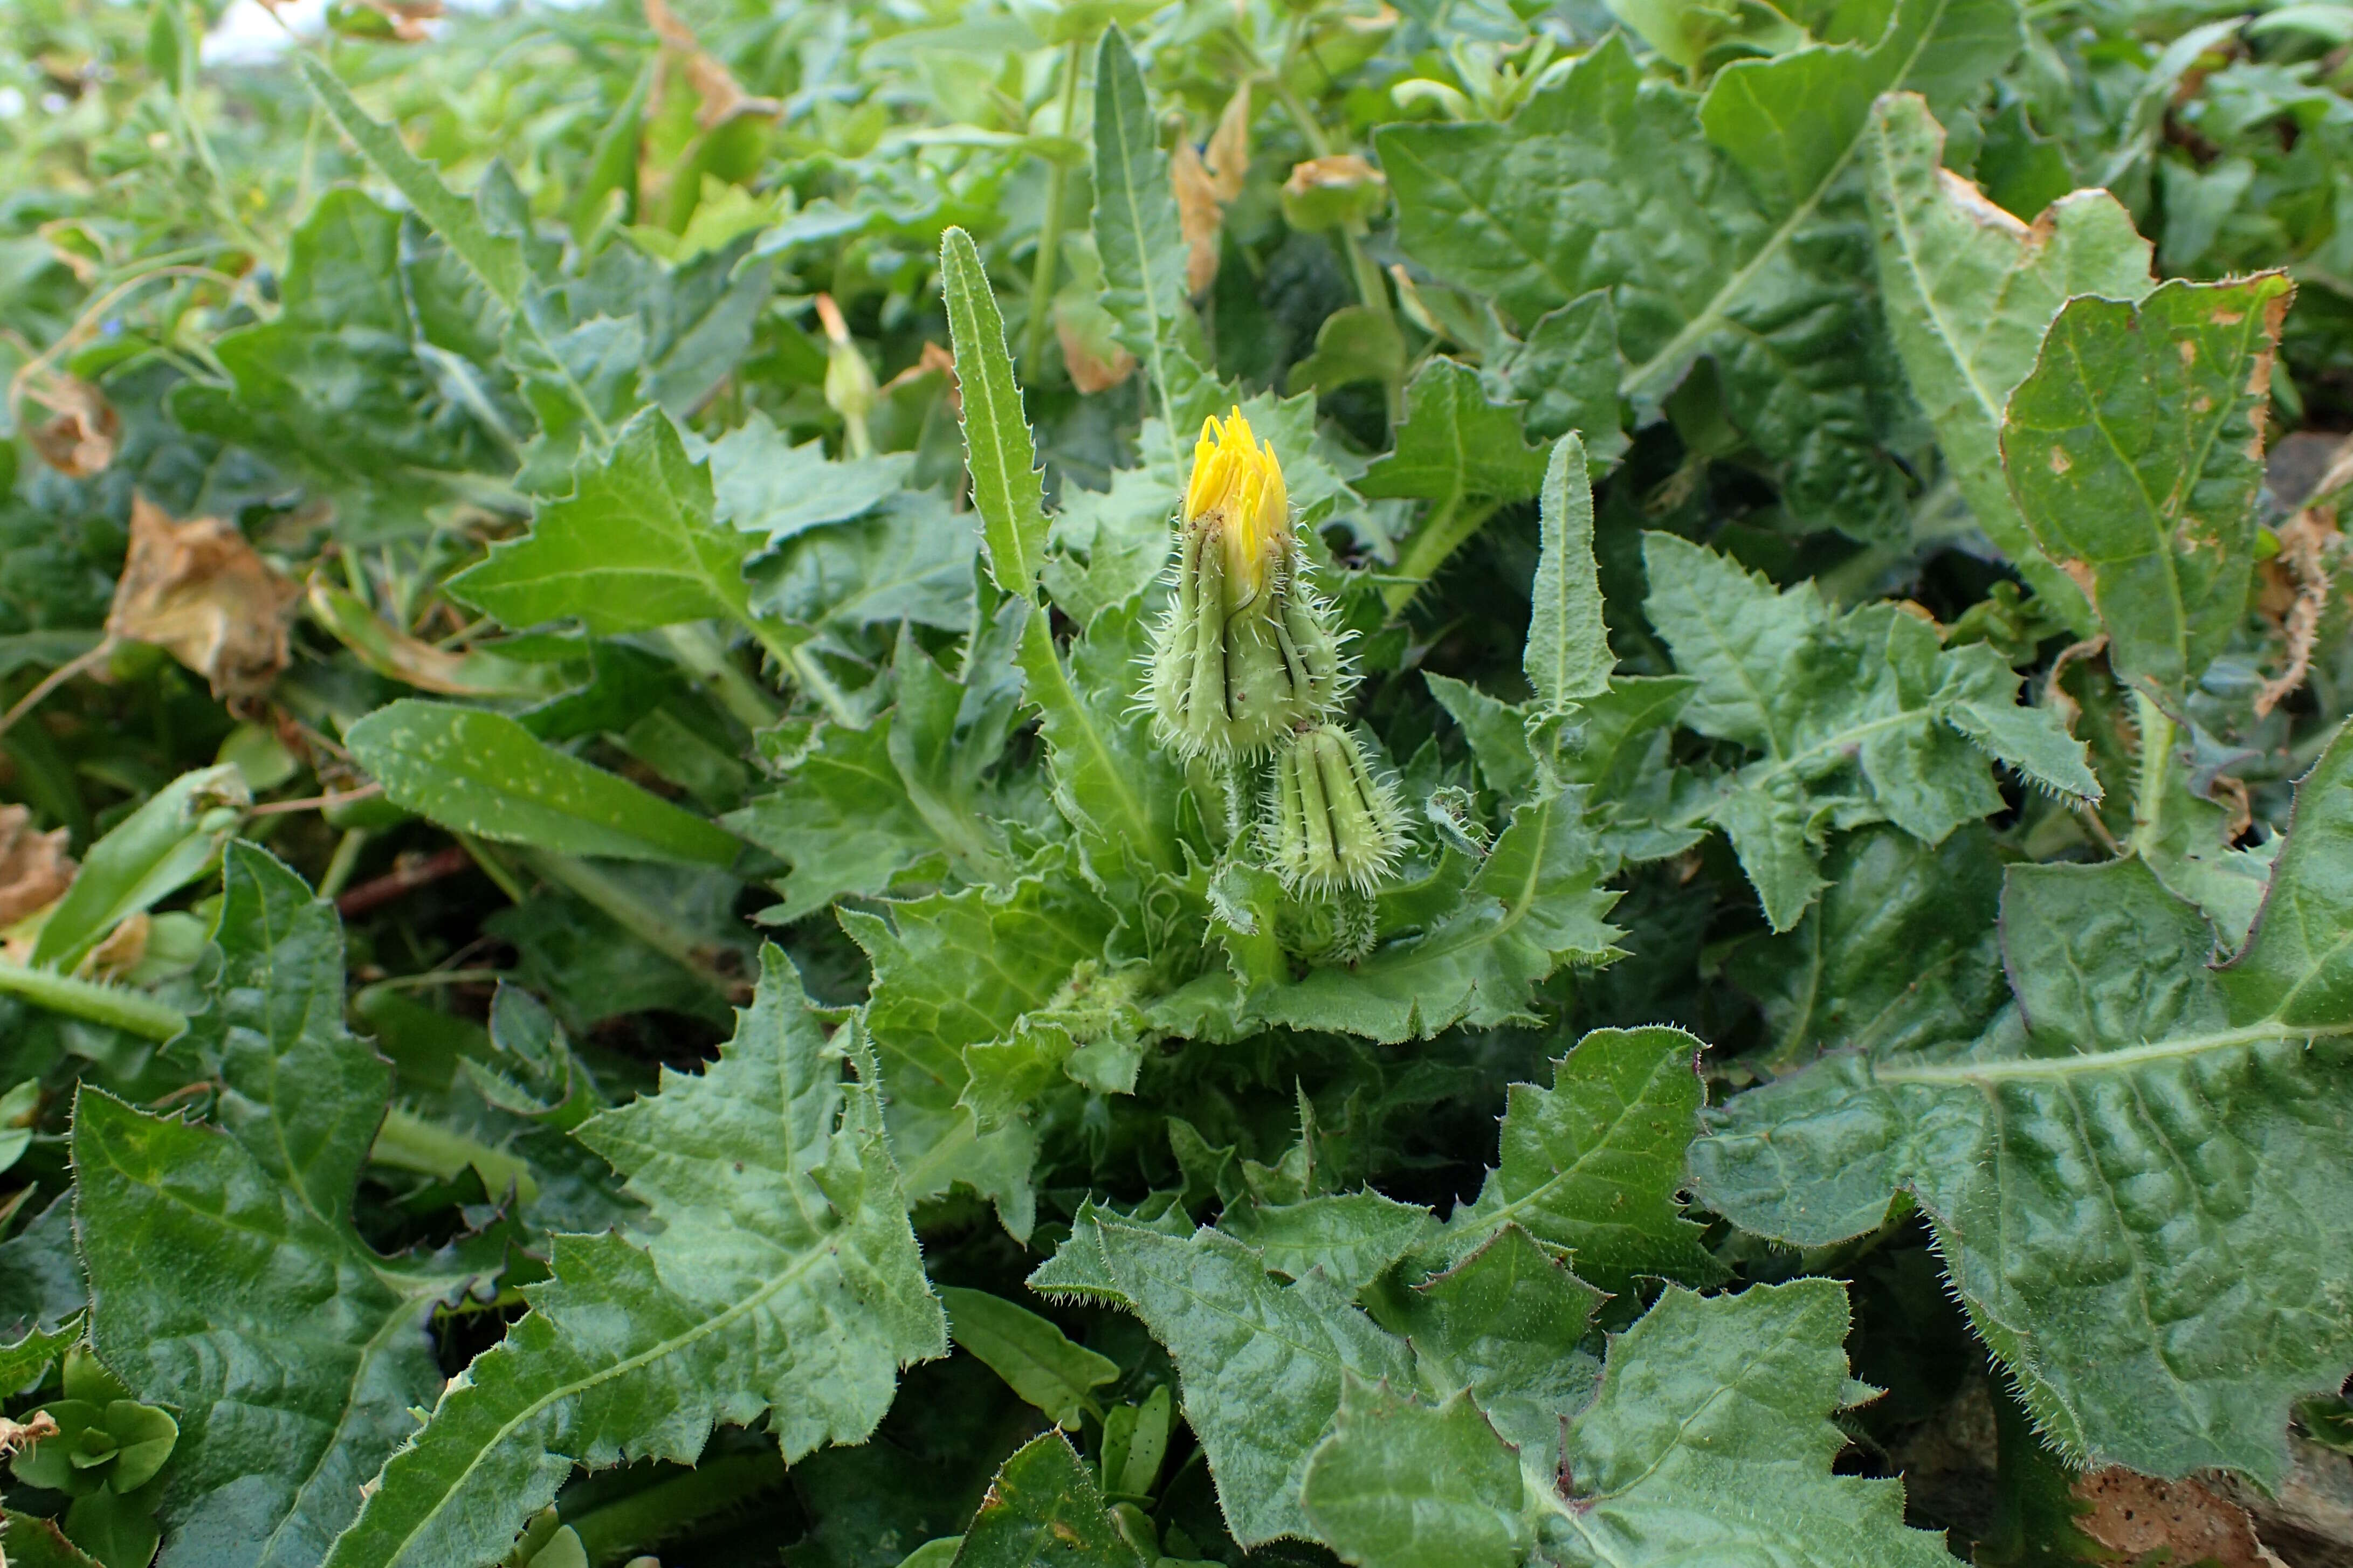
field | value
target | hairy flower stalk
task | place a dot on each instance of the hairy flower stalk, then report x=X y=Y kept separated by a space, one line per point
x=1335 y=826
x=1247 y=652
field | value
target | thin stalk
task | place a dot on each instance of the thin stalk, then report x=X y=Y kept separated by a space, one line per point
x=409 y=1142
x=2155 y=772
x=494 y=867
x=647 y=1518
x=1372 y=288
x=343 y=863
x=132 y=1011
x=698 y=647
x=55 y=679
x=658 y=929
x=1049 y=236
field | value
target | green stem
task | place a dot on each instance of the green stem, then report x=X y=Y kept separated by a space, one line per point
x=658 y=929
x=2155 y=772
x=409 y=1143
x=648 y=1517
x=1049 y=236
x=1372 y=288
x=697 y=647
x=493 y=866
x=132 y=1011
x=343 y=863
x=1439 y=536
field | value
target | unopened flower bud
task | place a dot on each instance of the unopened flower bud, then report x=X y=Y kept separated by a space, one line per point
x=1247 y=652
x=1337 y=928
x=1335 y=824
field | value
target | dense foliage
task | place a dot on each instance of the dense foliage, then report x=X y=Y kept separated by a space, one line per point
x=677 y=878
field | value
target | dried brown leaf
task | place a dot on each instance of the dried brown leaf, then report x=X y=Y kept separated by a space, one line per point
x=1229 y=155
x=199 y=591
x=1199 y=216
x=35 y=870
x=2134 y=1515
x=123 y=951
x=82 y=432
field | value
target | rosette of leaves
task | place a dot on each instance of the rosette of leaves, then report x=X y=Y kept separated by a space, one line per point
x=105 y=1456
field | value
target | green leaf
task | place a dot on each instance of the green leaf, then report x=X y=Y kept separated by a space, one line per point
x=347 y=384
x=29 y=1361
x=1035 y=1358
x=1568 y=656
x=1709 y=1441
x=964 y=969
x=149 y=855
x=1044 y=1511
x=1399 y=1485
x=1118 y=788
x=784 y=1279
x=1592 y=1164
x=1353 y=1238
x=1260 y=1363
x=1537 y=902
x=277 y=1430
x=909 y=560
x=765 y=486
x=2134 y=454
x=34 y=1543
x=1715 y=226
x=1565 y=373
x=1971 y=291
x=1860 y=718
x=633 y=547
x=1135 y=226
x=482 y=772
x=1899 y=951
x=1506 y=1323
x=1461 y=453
x=496 y=260
x=844 y=820
x=2136 y=1175
x=1711 y=1437
x=1007 y=490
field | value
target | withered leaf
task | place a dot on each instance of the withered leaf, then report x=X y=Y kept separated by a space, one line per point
x=199 y=591
x=35 y=870
x=80 y=436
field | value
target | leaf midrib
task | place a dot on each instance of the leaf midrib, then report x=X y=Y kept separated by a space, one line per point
x=2179 y=1047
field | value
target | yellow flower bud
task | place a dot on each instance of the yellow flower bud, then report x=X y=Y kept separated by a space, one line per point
x=1247 y=651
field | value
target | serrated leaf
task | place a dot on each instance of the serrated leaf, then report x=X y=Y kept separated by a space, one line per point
x=278 y=1430
x=1592 y=1164
x=1110 y=781
x=482 y=772
x=962 y=969
x=633 y=547
x=1007 y=490
x=1899 y=951
x=1971 y=291
x=843 y=821
x=1535 y=903
x=1504 y=1323
x=1035 y=1358
x=2134 y=452
x=1399 y=1485
x=1044 y=1511
x=1567 y=655
x=2136 y=1177
x=784 y=1279
x=1860 y=718
x=1259 y=1363
x=1709 y=1441
x=1565 y=373
x=765 y=486
x=1710 y=224
x=1135 y=226
x=496 y=260
x=1351 y=1238
x=1462 y=455
x=909 y=560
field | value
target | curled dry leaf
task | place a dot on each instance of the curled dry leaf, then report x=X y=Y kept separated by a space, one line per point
x=35 y=870
x=199 y=591
x=2295 y=585
x=1092 y=351
x=1204 y=185
x=15 y=1435
x=80 y=436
